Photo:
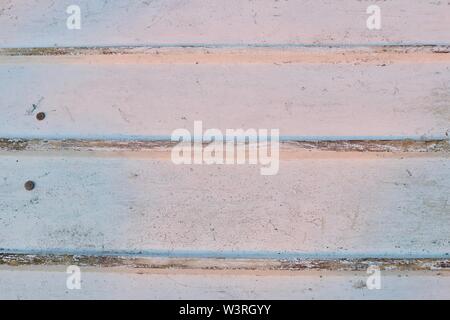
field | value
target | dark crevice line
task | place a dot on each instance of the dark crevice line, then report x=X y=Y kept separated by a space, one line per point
x=406 y=145
x=139 y=262
x=105 y=50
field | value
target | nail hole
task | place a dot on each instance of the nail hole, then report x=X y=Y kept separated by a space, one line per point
x=29 y=185
x=40 y=116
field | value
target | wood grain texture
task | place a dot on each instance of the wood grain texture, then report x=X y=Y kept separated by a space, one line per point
x=314 y=207
x=234 y=22
x=318 y=95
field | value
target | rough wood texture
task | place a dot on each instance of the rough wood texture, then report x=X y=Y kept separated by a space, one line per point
x=364 y=176
x=316 y=206
x=117 y=283
x=233 y=22
x=306 y=100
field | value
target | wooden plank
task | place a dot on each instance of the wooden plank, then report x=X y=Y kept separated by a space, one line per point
x=114 y=277
x=111 y=283
x=343 y=94
x=234 y=22
x=322 y=205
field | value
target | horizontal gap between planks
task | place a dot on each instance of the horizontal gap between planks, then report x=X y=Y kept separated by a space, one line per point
x=228 y=55
x=140 y=263
x=289 y=149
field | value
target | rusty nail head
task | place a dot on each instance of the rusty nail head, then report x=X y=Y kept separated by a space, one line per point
x=40 y=116
x=29 y=185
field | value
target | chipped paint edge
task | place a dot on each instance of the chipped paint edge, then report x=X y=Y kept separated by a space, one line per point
x=138 y=263
x=228 y=54
x=406 y=145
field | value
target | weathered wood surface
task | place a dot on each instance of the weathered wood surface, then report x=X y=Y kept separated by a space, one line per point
x=319 y=205
x=346 y=94
x=232 y=22
x=41 y=276
x=116 y=283
x=365 y=165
